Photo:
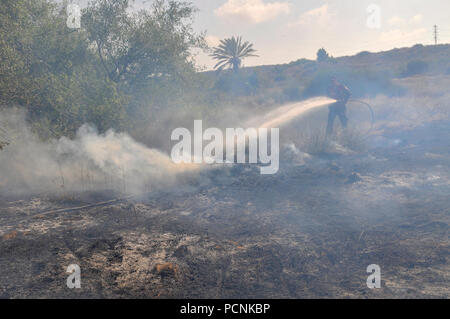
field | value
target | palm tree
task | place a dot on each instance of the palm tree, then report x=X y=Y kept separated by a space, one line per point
x=230 y=53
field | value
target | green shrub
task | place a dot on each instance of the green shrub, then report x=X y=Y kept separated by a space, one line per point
x=363 y=54
x=292 y=93
x=237 y=84
x=416 y=68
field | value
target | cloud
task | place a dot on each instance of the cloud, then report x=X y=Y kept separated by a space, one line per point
x=397 y=21
x=416 y=19
x=252 y=11
x=212 y=40
x=318 y=16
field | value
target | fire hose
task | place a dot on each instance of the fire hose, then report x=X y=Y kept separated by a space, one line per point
x=372 y=114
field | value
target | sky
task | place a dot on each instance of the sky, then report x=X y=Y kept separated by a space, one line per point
x=287 y=30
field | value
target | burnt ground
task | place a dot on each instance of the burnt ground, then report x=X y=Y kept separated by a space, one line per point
x=309 y=231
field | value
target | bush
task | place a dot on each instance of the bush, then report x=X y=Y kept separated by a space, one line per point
x=363 y=54
x=237 y=84
x=299 y=62
x=292 y=93
x=416 y=68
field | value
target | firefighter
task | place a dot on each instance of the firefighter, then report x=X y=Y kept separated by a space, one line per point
x=342 y=94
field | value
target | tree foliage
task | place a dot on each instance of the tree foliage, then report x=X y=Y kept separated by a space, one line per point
x=66 y=77
x=322 y=55
x=135 y=47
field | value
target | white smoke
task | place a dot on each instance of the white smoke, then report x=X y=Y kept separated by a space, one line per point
x=99 y=162
x=91 y=161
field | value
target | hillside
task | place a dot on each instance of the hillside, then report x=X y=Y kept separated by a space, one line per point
x=367 y=73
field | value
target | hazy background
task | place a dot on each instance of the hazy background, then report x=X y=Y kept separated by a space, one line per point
x=285 y=31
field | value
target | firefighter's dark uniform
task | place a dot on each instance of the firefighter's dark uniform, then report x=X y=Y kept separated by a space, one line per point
x=342 y=94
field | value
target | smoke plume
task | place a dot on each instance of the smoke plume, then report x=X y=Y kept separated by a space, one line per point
x=91 y=161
